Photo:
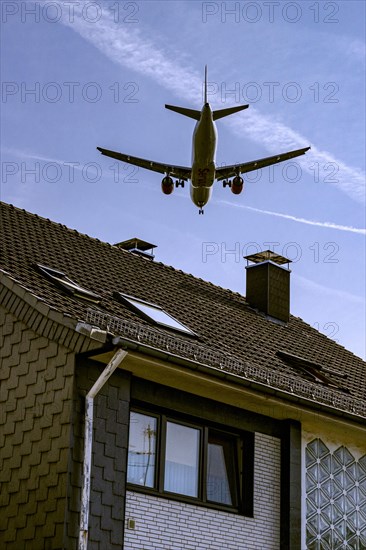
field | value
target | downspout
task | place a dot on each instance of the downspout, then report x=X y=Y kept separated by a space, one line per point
x=88 y=442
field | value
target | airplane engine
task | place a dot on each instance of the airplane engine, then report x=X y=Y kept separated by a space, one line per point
x=167 y=185
x=237 y=185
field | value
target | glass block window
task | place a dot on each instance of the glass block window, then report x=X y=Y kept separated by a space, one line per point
x=335 y=499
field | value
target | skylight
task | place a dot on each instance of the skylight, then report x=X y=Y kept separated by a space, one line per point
x=153 y=312
x=64 y=282
x=314 y=370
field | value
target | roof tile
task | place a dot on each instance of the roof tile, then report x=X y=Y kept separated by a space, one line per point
x=223 y=320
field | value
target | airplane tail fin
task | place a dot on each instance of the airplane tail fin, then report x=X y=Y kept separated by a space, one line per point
x=205 y=84
x=221 y=113
x=191 y=113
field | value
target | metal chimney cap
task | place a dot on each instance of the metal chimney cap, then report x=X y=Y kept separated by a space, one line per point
x=266 y=255
x=138 y=247
x=135 y=244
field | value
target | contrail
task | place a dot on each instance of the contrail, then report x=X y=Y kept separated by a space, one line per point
x=328 y=225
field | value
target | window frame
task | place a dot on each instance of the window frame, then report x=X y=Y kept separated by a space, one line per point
x=240 y=481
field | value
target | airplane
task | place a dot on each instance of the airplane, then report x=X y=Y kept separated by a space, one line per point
x=203 y=171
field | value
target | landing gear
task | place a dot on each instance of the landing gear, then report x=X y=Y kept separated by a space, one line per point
x=179 y=183
x=201 y=211
x=226 y=182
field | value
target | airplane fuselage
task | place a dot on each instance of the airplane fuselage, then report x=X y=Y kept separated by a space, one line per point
x=203 y=157
x=202 y=173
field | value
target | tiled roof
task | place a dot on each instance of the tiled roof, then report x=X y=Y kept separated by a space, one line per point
x=232 y=336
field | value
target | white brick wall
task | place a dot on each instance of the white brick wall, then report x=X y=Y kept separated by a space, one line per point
x=163 y=524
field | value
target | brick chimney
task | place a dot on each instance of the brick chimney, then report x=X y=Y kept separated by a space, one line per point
x=268 y=284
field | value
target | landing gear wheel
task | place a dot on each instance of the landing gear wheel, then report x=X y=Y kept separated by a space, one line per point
x=201 y=211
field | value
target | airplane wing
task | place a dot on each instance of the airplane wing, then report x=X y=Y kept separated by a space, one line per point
x=180 y=172
x=235 y=169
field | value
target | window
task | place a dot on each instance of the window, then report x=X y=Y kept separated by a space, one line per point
x=61 y=280
x=142 y=450
x=221 y=469
x=189 y=462
x=181 y=460
x=153 y=312
x=314 y=371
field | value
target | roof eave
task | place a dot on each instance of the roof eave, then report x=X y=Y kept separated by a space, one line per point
x=96 y=338
x=120 y=341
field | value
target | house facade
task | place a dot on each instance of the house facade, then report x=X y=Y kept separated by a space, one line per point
x=226 y=423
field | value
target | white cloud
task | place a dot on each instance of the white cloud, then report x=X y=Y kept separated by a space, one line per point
x=356 y=49
x=125 y=46
x=279 y=138
x=312 y=287
x=25 y=154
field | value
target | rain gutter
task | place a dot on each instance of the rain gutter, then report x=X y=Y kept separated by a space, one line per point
x=236 y=379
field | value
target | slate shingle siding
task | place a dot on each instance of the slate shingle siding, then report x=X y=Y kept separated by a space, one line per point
x=110 y=442
x=41 y=444
x=36 y=377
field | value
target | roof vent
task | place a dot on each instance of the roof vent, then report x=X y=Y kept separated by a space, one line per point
x=139 y=247
x=268 y=284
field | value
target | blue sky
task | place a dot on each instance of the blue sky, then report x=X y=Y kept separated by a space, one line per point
x=86 y=74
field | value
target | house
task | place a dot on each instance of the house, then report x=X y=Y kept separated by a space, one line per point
x=144 y=408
